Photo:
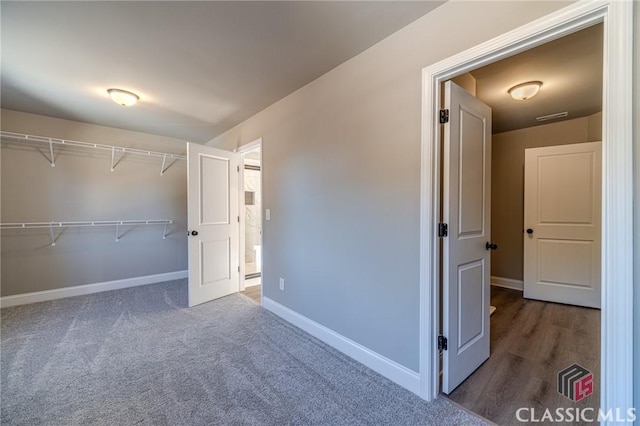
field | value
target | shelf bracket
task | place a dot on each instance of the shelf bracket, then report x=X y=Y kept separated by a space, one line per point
x=115 y=162
x=164 y=160
x=113 y=159
x=166 y=164
x=117 y=232
x=53 y=159
x=53 y=238
x=164 y=233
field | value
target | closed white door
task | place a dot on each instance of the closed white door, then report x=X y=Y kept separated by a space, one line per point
x=466 y=249
x=213 y=223
x=562 y=214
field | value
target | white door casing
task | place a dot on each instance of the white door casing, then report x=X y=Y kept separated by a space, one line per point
x=562 y=220
x=212 y=222
x=466 y=259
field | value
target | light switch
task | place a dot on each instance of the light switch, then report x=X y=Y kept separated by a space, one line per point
x=267 y=214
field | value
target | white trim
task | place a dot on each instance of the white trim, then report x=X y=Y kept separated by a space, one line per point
x=249 y=146
x=616 y=378
x=507 y=283
x=80 y=290
x=242 y=227
x=390 y=369
x=617 y=220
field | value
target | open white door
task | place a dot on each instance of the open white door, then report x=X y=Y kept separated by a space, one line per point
x=562 y=214
x=213 y=223
x=466 y=249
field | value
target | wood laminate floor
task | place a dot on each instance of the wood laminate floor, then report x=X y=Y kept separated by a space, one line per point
x=530 y=342
x=253 y=293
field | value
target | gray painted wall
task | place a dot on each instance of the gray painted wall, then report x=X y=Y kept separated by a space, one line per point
x=81 y=187
x=507 y=184
x=341 y=175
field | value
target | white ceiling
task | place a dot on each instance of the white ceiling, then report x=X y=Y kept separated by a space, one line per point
x=570 y=69
x=199 y=67
x=202 y=67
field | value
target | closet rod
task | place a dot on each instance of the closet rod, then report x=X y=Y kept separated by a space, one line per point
x=72 y=224
x=88 y=223
x=112 y=148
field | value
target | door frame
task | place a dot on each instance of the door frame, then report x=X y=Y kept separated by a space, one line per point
x=250 y=146
x=616 y=380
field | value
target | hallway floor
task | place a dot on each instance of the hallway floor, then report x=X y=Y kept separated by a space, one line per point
x=531 y=341
x=254 y=292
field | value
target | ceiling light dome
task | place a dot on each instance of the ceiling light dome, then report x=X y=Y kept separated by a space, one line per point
x=123 y=97
x=524 y=91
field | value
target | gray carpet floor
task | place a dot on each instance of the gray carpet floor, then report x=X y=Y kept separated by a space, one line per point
x=140 y=356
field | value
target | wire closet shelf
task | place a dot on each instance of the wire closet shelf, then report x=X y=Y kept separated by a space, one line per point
x=115 y=150
x=89 y=223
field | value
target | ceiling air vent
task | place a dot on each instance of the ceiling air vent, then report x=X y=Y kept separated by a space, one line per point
x=552 y=116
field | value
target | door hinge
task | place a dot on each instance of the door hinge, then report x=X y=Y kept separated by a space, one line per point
x=443 y=229
x=444 y=116
x=238 y=169
x=238 y=219
x=238 y=268
x=442 y=343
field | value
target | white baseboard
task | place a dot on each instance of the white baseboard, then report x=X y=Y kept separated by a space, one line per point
x=393 y=371
x=507 y=283
x=79 y=290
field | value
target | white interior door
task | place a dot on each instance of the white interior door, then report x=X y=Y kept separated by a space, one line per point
x=562 y=214
x=213 y=223
x=466 y=258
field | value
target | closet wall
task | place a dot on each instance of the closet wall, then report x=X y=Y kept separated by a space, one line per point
x=81 y=187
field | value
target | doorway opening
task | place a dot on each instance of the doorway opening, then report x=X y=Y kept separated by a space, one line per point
x=616 y=349
x=531 y=341
x=251 y=221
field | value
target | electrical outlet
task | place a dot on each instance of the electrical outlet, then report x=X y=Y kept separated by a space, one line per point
x=282 y=284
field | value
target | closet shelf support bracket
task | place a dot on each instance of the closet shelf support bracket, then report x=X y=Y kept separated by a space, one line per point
x=53 y=159
x=114 y=163
x=53 y=238
x=164 y=160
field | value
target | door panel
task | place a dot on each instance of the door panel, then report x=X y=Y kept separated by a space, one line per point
x=466 y=202
x=213 y=215
x=577 y=176
x=471 y=175
x=557 y=259
x=214 y=260
x=214 y=190
x=562 y=211
x=469 y=310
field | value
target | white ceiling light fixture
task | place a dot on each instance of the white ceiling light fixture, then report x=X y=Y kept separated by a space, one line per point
x=123 y=97
x=524 y=91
